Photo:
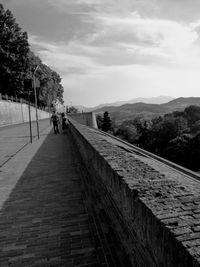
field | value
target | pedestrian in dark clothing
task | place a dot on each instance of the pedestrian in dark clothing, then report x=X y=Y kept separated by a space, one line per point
x=55 y=120
x=64 y=122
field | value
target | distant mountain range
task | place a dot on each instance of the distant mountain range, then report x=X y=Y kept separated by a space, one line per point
x=182 y=102
x=130 y=111
x=150 y=100
x=147 y=107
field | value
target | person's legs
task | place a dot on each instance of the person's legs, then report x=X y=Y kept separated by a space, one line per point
x=57 y=129
x=54 y=127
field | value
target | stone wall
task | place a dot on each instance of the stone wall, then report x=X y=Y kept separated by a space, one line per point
x=154 y=210
x=11 y=113
x=85 y=118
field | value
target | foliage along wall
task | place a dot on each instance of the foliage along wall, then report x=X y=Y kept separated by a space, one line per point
x=18 y=64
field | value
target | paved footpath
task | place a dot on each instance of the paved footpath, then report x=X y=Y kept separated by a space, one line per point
x=15 y=137
x=43 y=216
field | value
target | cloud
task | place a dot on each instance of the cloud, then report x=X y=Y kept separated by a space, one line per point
x=89 y=5
x=72 y=7
x=146 y=31
x=111 y=32
x=67 y=59
x=142 y=38
x=122 y=41
x=106 y=49
x=184 y=10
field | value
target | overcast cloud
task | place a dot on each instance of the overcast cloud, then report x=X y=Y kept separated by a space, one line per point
x=110 y=50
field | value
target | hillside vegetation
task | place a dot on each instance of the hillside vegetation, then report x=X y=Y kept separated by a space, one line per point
x=147 y=111
x=174 y=136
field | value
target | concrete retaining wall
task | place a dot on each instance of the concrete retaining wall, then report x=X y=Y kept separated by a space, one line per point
x=11 y=113
x=86 y=118
x=155 y=211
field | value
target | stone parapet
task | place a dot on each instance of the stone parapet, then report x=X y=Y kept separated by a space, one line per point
x=85 y=118
x=155 y=211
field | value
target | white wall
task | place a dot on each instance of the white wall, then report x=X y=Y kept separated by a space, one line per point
x=86 y=118
x=11 y=113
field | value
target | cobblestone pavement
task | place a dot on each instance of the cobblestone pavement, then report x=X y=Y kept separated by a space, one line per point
x=15 y=137
x=44 y=221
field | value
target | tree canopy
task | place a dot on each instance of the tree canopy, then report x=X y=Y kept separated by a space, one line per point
x=18 y=64
x=175 y=136
x=106 y=123
x=14 y=49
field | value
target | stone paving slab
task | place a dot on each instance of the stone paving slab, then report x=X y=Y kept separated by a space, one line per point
x=44 y=221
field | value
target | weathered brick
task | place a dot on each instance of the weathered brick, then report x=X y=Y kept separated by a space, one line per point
x=181 y=231
x=192 y=243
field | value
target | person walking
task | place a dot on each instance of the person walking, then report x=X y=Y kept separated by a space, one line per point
x=64 y=121
x=55 y=120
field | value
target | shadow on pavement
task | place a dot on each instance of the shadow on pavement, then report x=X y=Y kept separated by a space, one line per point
x=44 y=222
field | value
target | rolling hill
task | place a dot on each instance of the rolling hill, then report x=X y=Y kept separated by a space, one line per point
x=149 y=100
x=182 y=102
x=130 y=111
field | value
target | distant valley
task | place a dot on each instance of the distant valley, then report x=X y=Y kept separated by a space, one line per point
x=146 y=107
x=130 y=111
x=149 y=100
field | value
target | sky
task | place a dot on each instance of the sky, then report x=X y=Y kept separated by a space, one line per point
x=115 y=50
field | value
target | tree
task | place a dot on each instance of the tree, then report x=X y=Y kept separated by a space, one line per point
x=50 y=89
x=181 y=125
x=72 y=109
x=128 y=133
x=179 y=150
x=14 y=49
x=142 y=126
x=175 y=136
x=107 y=124
x=18 y=63
x=99 y=120
x=195 y=152
x=192 y=114
x=195 y=128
